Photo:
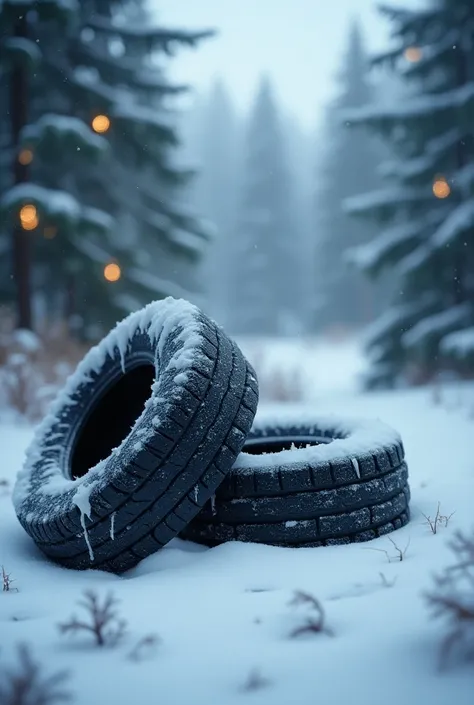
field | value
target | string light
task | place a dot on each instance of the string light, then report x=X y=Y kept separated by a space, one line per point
x=112 y=272
x=29 y=217
x=25 y=157
x=441 y=188
x=100 y=124
x=412 y=54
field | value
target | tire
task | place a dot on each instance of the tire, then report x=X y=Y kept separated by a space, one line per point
x=350 y=485
x=95 y=494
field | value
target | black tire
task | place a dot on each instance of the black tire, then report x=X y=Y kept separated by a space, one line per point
x=353 y=487
x=188 y=395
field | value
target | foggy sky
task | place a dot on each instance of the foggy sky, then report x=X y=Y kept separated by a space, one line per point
x=299 y=42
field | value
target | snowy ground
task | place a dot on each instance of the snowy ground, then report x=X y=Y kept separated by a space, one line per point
x=223 y=613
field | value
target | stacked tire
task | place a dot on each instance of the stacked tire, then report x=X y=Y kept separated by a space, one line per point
x=290 y=487
x=145 y=442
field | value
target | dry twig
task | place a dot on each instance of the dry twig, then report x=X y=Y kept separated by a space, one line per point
x=102 y=621
x=7 y=581
x=27 y=686
x=453 y=599
x=314 y=623
x=439 y=520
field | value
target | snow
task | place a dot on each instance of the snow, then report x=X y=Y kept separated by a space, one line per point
x=436 y=324
x=367 y=256
x=459 y=343
x=51 y=201
x=394 y=317
x=65 y=127
x=223 y=613
x=425 y=105
x=191 y=241
x=41 y=477
x=418 y=166
x=380 y=199
x=26 y=340
x=457 y=223
x=23 y=45
x=351 y=437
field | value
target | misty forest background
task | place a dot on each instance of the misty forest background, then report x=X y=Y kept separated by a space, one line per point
x=113 y=194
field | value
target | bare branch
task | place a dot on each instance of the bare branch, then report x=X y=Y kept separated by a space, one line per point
x=7 y=581
x=314 y=623
x=439 y=520
x=453 y=599
x=26 y=686
x=102 y=620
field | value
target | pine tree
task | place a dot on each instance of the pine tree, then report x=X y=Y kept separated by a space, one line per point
x=217 y=139
x=265 y=278
x=349 y=166
x=426 y=211
x=102 y=207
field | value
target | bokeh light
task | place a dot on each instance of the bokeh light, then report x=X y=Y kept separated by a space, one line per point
x=29 y=217
x=112 y=272
x=441 y=188
x=412 y=54
x=25 y=157
x=100 y=124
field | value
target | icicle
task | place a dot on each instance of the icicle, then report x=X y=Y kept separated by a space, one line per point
x=355 y=463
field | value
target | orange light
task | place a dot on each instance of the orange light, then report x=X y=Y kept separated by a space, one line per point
x=30 y=224
x=100 y=124
x=25 y=157
x=112 y=272
x=441 y=188
x=28 y=213
x=412 y=54
x=50 y=232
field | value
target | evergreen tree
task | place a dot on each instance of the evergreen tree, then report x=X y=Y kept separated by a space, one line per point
x=216 y=190
x=100 y=200
x=265 y=275
x=426 y=211
x=349 y=166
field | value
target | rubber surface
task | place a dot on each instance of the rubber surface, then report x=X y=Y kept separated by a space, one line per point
x=162 y=483
x=346 y=500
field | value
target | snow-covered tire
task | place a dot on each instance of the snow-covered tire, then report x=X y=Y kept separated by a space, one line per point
x=141 y=436
x=350 y=487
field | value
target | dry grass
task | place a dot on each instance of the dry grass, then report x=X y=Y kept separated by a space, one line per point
x=7 y=581
x=282 y=382
x=33 y=367
x=438 y=520
x=315 y=621
x=27 y=685
x=453 y=600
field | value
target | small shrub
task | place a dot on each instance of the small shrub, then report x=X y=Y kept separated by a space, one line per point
x=453 y=600
x=102 y=621
x=26 y=684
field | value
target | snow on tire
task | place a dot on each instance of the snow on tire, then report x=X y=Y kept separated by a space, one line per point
x=141 y=436
x=310 y=482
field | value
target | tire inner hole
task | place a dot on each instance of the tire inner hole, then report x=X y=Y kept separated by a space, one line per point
x=260 y=446
x=111 y=418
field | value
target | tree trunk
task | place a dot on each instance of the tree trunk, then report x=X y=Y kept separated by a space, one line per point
x=21 y=245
